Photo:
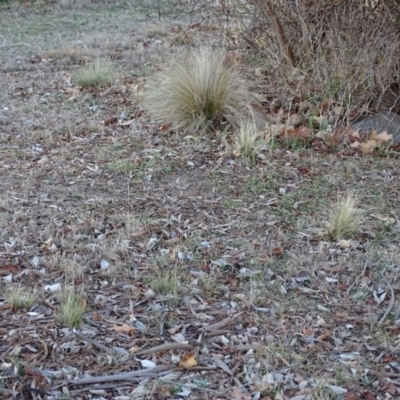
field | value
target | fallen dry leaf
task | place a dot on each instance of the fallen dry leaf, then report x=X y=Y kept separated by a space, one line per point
x=277 y=251
x=74 y=92
x=382 y=138
x=325 y=335
x=325 y=104
x=301 y=132
x=384 y=218
x=367 y=395
x=351 y=396
x=188 y=361
x=369 y=146
x=240 y=394
x=124 y=328
x=8 y=269
x=110 y=121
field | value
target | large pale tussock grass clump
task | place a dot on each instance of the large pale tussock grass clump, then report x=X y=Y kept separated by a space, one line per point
x=198 y=92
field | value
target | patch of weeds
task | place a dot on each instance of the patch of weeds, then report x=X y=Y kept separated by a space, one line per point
x=346 y=219
x=176 y=389
x=166 y=282
x=97 y=74
x=247 y=141
x=208 y=283
x=72 y=308
x=228 y=203
x=135 y=226
x=198 y=92
x=20 y=298
x=257 y=185
x=214 y=174
x=296 y=143
x=126 y=166
x=121 y=165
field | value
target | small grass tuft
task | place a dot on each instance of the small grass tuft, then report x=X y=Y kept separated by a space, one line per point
x=97 y=74
x=346 y=218
x=165 y=283
x=73 y=307
x=198 y=92
x=20 y=298
x=247 y=141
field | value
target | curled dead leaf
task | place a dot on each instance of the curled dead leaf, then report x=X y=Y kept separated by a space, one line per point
x=325 y=335
x=8 y=269
x=188 y=361
x=124 y=328
x=277 y=251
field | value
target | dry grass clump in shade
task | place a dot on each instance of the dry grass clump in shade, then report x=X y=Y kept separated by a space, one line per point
x=198 y=91
x=346 y=219
x=247 y=141
x=20 y=298
x=98 y=74
x=72 y=308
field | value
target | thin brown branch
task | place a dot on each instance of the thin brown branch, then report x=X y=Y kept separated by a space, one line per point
x=283 y=40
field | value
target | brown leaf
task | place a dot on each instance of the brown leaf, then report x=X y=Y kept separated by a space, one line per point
x=277 y=251
x=164 y=128
x=350 y=396
x=31 y=372
x=308 y=331
x=124 y=328
x=326 y=103
x=337 y=137
x=188 y=361
x=304 y=170
x=75 y=93
x=110 y=120
x=205 y=267
x=369 y=146
x=390 y=387
x=7 y=269
x=384 y=137
x=128 y=122
x=301 y=132
x=325 y=335
x=367 y=395
x=240 y=394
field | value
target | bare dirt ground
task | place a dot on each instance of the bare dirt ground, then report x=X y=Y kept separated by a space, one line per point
x=203 y=277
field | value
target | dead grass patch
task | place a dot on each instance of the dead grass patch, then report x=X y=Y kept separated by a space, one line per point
x=100 y=73
x=21 y=298
x=248 y=141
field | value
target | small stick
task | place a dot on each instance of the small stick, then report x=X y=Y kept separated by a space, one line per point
x=391 y=303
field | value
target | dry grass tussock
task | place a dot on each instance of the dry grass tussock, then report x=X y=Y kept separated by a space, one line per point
x=98 y=74
x=248 y=141
x=346 y=219
x=72 y=308
x=198 y=92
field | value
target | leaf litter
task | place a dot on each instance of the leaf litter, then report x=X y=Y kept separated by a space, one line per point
x=200 y=275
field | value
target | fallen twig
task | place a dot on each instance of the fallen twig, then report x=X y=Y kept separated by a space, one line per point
x=165 y=347
x=133 y=376
x=93 y=342
x=391 y=303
